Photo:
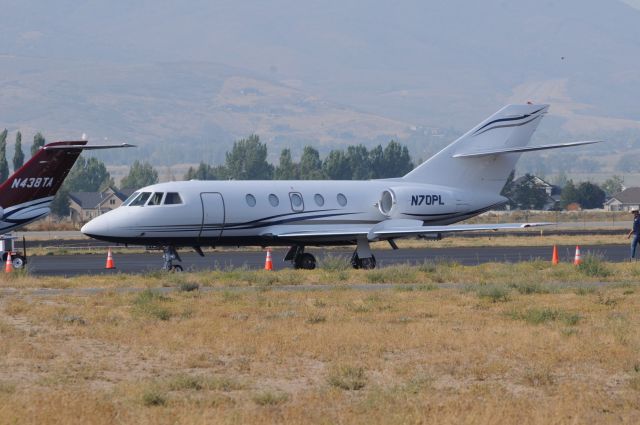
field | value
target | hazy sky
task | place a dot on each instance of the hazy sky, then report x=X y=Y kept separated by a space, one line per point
x=161 y=69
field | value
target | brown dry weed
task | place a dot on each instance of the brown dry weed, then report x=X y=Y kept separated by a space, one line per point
x=541 y=354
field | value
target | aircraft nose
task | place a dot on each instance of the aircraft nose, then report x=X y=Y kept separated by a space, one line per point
x=99 y=226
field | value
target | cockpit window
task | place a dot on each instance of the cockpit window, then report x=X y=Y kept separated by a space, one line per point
x=156 y=199
x=130 y=198
x=140 y=200
x=172 y=198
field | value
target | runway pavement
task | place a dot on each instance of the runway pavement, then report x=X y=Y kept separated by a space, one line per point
x=73 y=265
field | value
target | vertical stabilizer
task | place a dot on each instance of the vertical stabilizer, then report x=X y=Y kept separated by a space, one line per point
x=510 y=127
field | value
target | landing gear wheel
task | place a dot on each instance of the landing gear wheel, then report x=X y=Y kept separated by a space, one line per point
x=305 y=261
x=176 y=268
x=363 y=263
x=368 y=263
x=17 y=262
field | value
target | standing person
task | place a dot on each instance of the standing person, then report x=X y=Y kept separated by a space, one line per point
x=635 y=231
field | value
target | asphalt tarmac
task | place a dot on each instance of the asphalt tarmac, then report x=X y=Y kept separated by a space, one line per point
x=73 y=265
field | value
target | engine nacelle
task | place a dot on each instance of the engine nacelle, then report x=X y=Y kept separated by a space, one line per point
x=1 y=213
x=417 y=202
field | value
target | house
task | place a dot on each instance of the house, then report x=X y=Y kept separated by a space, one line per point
x=87 y=205
x=553 y=192
x=626 y=200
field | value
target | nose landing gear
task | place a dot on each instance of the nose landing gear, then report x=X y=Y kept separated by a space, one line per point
x=169 y=254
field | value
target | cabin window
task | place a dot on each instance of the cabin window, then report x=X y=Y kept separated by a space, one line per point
x=130 y=198
x=251 y=200
x=273 y=200
x=342 y=200
x=156 y=198
x=140 y=200
x=319 y=199
x=172 y=198
x=297 y=204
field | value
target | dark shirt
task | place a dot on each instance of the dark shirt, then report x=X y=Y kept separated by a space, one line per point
x=636 y=225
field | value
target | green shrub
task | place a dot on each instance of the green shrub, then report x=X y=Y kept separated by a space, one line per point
x=148 y=296
x=593 y=265
x=395 y=274
x=584 y=290
x=185 y=382
x=153 y=397
x=538 y=316
x=148 y=302
x=270 y=398
x=495 y=293
x=528 y=288
x=189 y=286
x=334 y=263
x=347 y=377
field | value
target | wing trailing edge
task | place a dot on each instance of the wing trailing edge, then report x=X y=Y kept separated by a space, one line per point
x=390 y=229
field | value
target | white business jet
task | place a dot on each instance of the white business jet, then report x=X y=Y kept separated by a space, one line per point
x=461 y=181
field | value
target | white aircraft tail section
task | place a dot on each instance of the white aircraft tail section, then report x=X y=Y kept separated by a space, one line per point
x=499 y=139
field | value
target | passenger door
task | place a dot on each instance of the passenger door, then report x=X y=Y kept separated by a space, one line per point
x=213 y=215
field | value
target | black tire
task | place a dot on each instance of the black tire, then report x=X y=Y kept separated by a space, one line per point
x=306 y=261
x=177 y=268
x=355 y=261
x=18 y=262
x=368 y=263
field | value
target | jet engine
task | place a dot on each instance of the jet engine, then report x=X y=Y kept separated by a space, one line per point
x=1 y=213
x=417 y=202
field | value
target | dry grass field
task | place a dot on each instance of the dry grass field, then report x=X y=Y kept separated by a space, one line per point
x=508 y=344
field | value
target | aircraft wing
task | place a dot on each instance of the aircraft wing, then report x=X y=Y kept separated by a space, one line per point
x=386 y=230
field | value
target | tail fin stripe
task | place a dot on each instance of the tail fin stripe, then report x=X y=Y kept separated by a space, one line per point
x=506 y=125
x=507 y=119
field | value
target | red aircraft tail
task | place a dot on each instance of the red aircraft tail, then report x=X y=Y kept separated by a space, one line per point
x=26 y=195
x=42 y=175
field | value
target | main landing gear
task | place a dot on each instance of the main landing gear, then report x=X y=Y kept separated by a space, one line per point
x=366 y=263
x=362 y=257
x=169 y=254
x=300 y=259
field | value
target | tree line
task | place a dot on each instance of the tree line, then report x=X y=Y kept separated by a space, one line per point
x=247 y=160
x=526 y=193
x=18 y=156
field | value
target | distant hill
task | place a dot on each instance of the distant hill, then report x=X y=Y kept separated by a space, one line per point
x=183 y=80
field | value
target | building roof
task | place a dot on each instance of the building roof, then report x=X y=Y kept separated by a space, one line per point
x=534 y=179
x=630 y=195
x=88 y=200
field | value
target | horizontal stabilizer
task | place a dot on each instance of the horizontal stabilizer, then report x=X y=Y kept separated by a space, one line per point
x=520 y=149
x=94 y=147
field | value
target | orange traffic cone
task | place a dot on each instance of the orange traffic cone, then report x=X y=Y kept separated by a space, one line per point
x=8 y=266
x=554 y=257
x=578 y=259
x=109 y=264
x=268 y=264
